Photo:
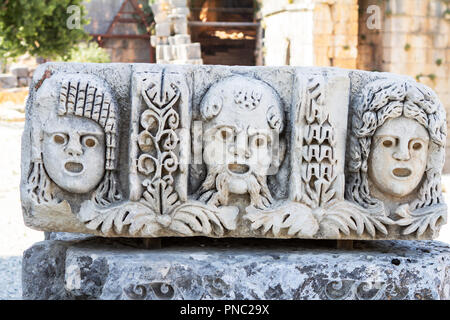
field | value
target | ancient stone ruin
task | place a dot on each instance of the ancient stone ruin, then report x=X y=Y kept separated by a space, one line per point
x=126 y=165
x=171 y=40
x=147 y=151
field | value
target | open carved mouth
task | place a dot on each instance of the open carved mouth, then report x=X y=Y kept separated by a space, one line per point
x=238 y=168
x=73 y=167
x=401 y=172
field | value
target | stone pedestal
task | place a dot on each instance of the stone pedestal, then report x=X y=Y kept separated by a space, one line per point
x=200 y=268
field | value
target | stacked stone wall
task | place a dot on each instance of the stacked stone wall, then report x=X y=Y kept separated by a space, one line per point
x=409 y=37
x=413 y=40
x=314 y=32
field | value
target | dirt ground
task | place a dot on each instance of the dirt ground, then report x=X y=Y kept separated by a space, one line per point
x=14 y=236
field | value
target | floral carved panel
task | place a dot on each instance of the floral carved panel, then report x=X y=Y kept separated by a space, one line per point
x=137 y=150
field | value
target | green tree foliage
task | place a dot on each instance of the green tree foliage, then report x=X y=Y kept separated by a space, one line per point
x=39 y=27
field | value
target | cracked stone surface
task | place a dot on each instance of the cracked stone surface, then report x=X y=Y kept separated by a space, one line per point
x=150 y=150
x=203 y=268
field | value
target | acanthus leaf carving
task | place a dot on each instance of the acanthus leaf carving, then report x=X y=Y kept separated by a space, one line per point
x=159 y=191
x=139 y=218
x=296 y=218
x=421 y=219
x=197 y=218
x=329 y=222
x=343 y=216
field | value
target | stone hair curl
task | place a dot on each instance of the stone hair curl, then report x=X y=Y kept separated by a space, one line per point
x=246 y=94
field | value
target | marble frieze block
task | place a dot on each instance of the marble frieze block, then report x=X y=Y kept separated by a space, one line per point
x=148 y=150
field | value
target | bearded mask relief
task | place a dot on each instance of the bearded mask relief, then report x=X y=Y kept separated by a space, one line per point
x=242 y=120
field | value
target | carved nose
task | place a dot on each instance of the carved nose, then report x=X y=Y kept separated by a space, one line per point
x=240 y=149
x=243 y=152
x=402 y=154
x=240 y=152
x=74 y=149
x=73 y=152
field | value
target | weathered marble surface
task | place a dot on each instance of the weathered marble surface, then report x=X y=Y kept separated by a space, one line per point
x=142 y=150
x=229 y=269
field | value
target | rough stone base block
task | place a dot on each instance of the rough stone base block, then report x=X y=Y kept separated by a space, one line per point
x=202 y=268
x=7 y=81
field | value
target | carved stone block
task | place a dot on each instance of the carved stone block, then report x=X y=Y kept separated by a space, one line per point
x=181 y=39
x=256 y=269
x=180 y=24
x=188 y=51
x=163 y=29
x=141 y=150
x=8 y=81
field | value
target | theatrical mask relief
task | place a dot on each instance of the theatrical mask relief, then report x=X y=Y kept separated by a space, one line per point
x=142 y=150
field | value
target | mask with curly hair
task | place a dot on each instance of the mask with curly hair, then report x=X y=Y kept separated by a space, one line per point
x=397 y=143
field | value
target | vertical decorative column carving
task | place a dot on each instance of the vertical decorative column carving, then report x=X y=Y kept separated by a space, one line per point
x=160 y=145
x=318 y=156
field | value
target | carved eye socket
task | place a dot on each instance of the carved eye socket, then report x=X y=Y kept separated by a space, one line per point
x=417 y=146
x=225 y=134
x=388 y=143
x=89 y=141
x=259 y=141
x=60 y=138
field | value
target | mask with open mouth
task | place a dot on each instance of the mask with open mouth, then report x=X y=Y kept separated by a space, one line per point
x=74 y=153
x=242 y=120
x=239 y=169
x=73 y=167
x=399 y=156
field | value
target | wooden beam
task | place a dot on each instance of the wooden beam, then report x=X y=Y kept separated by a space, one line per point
x=259 y=57
x=344 y=244
x=117 y=18
x=128 y=12
x=236 y=10
x=121 y=36
x=152 y=243
x=217 y=24
x=139 y=12
x=113 y=23
x=128 y=20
